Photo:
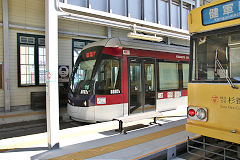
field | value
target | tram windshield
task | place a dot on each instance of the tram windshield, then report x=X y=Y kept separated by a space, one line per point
x=81 y=79
x=96 y=72
x=216 y=57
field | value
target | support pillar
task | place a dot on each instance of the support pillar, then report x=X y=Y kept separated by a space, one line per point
x=52 y=92
x=6 y=61
x=197 y=3
x=170 y=13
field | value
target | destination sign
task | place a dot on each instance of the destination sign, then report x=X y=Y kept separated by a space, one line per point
x=222 y=12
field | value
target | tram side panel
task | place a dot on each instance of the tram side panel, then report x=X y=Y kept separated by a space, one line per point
x=170 y=100
x=170 y=97
x=113 y=104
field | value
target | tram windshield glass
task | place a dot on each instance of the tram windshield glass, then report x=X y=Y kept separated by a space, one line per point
x=108 y=76
x=82 y=77
x=95 y=71
x=216 y=57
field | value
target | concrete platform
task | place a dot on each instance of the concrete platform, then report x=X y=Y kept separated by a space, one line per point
x=26 y=115
x=100 y=141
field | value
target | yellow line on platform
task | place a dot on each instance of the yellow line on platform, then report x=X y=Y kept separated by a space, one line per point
x=93 y=152
x=28 y=114
x=23 y=114
x=4 y=150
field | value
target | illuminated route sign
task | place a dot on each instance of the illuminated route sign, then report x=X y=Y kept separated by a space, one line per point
x=222 y=12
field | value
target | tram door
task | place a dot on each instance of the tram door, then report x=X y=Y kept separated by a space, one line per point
x=142 y=87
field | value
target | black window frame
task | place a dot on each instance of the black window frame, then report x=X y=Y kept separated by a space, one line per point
x=36 y=58
x=207 y=33
x=108 y=56
x=73 y=47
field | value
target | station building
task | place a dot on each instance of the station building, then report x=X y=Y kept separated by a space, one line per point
x=22 y=32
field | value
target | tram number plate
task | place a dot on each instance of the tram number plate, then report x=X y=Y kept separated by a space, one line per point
x=115 y=91
x=83 y=92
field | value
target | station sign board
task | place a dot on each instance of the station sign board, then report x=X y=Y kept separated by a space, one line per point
x=221 y=12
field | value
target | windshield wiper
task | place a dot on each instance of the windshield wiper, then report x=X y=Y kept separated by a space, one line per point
x=218 y=63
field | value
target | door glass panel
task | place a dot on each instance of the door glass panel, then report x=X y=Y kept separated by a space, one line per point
x=135 y=88
x=142 y=86
x=150 y=102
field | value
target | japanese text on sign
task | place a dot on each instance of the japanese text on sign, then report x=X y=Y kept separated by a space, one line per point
x=226 y=100
x=221 y=12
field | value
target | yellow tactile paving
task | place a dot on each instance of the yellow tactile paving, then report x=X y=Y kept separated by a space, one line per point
x=119 y=145
x=23 y=114
x=28 y=114
x=4 y=150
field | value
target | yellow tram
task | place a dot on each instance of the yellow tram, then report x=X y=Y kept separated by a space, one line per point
x=214 y=88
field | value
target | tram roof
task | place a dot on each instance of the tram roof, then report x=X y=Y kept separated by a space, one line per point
x=137 y=44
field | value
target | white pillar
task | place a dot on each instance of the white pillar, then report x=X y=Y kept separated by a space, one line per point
x=197 y=3
x=52 y=98
x=6 y=56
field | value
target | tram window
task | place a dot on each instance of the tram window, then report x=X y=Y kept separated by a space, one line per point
x=216 y=57
x=235 y=63
x=84 y=70
x=185 y=70
x=108 y=77
x=168 y=76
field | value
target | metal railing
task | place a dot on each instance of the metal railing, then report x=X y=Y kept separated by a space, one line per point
x=212 y=149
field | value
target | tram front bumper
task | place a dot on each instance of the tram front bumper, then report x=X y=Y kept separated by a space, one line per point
x=222 y=134
x=82 y=114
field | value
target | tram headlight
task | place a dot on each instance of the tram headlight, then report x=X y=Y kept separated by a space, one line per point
x=201 y=114
x=85 y=103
